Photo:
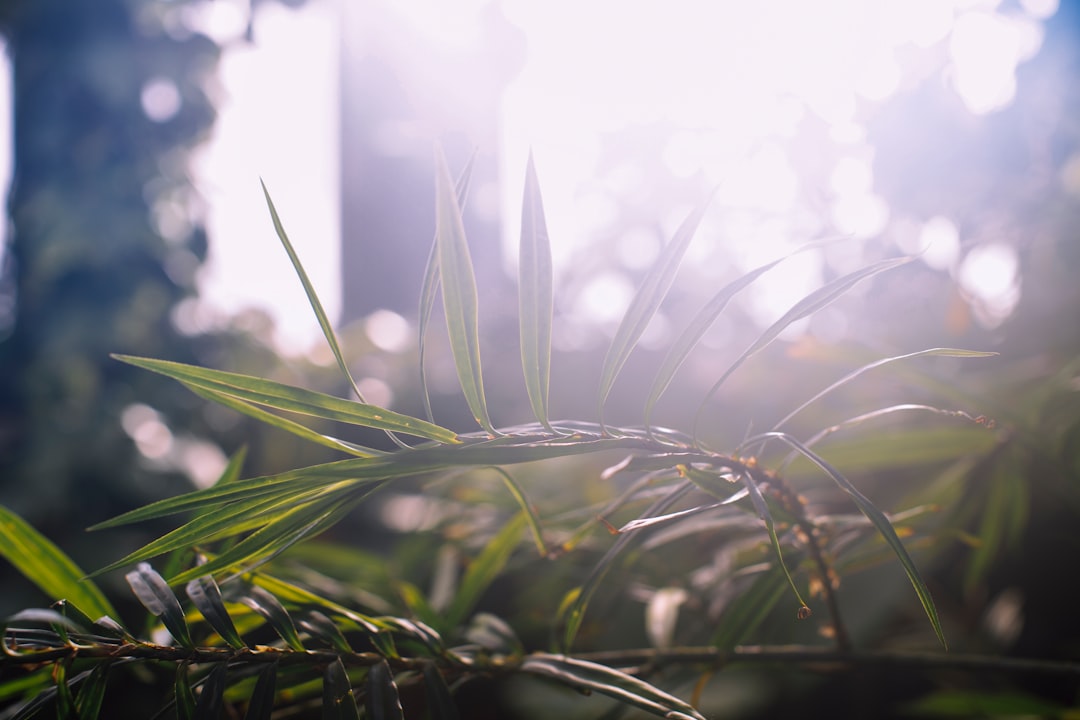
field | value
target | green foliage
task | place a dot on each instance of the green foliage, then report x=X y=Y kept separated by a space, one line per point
x=251 y=635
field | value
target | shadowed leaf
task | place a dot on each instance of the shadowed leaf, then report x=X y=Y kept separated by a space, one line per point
x=459 y=293
x=879 y=521
x=275 y=613
x=339 y=702
x=383 y=702
x=646 y=302
x=484 y=569
x=159 y=599
x=261 y=702
x=204 y=592
x=440 y=703
x=593 y=677
x=185 y=698
x=92 y=692
x=45 y=565
x=212 y=694
x=535 y=297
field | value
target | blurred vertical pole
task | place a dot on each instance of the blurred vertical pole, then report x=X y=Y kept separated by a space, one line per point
x=402 y=89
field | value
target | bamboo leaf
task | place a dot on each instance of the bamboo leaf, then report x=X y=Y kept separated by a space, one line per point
x=440 y=703
x=206 y=595
x=646 y=302
x=275 y=613
x=693 y=333
x=535 y=297
x=158 y=598
x=383 y=702
x=526 y=507
x=459 y=293
x=261 y=703
x=879 y=521
x=292 y=399
x=484 y=569
x=47 y=566
x=212 y=693
x=945 y=352
x=185 y=699
x=751 y=608
x=820 y=298
x=318 y=625
x=593 y=677
x=339 y=702
x=92 y=692
x=430 y=287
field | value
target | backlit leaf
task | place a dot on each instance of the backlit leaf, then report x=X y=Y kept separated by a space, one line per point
x=535 y=297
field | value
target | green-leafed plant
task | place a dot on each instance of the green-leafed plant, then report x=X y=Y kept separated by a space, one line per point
x=241 y=633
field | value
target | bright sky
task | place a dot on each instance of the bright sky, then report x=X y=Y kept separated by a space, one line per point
x=734 y=79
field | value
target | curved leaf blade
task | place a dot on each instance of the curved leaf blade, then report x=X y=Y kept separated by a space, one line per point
x=159 y=599
x=483 y=570
x=339 y=701
x=535 y=302
x=47 y=566
x=878 y=519
x=383 y=702
x=212 y=693
x=460 y=301
x=593 y=677
x=261 y=703
x=440 y=702
x=820 y=298
x=292 y=399
x=275 y=613
x=206 y=595
x=646 y=302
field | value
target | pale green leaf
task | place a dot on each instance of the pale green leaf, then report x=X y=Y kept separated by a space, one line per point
x=484 y=568
x=459 y=296
x=646 y=302
x=535 y=297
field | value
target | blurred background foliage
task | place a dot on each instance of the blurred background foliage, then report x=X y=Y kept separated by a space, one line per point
x=111 y=101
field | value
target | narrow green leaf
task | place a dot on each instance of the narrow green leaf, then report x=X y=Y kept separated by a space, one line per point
x=571 y=612
x=593 y=677
x=290 y=426
x=212 y=693
x=46 y=565
x=159 y=599
x=65 y=701
x=339 y=702
x=642 y=523
x=383 y=702
x=820 y=298
x=526 y=507
x=716 y=486
x=688 y=340
x=440 y=703
x=319 y=626
x=646 y=302
x=185 y=698
x=261 y=703
x=946 y=352
x=879 y=521
x=92 y=692
x=535 y=297
x=483 y=570
x=275 y=613
x=460 y=302
x=430 y=288
x=293 y=399
x=748 y=610
x=204 y=592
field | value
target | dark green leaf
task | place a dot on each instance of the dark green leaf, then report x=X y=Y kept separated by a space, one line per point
x=158 y=598
x=212 y=693
x=45 y=565
x=185 y=699
x=261 y=703
x=318 y=625
x=440 y=703
x=204 y=592
x=383 y=702
x=535 y=297
x=646 y=302
x=339 y=702
x=92 y=692
x=593 y=677
x=459 y=292
x=275 y=613
x=483 y=570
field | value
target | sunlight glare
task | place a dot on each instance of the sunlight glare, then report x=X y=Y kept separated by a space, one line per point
x=989 y=274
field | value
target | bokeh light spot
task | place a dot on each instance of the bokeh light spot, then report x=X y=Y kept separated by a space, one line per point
x=160 y=99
